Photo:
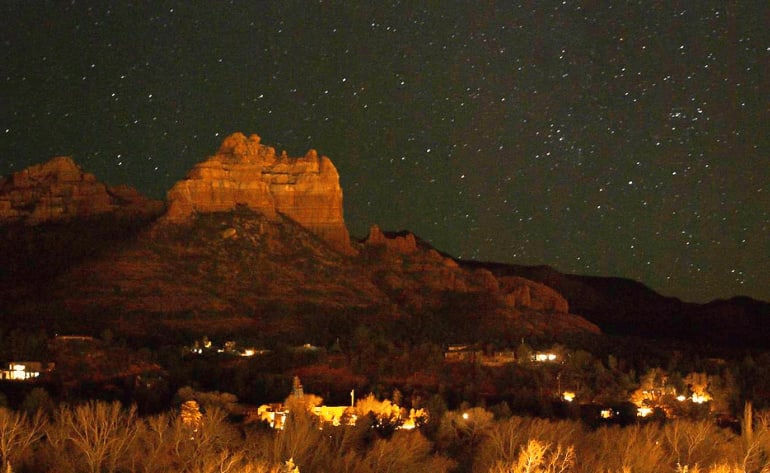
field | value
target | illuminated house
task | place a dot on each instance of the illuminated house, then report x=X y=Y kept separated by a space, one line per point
x=275 y=415
x=462 y=353
x=24 y=370
x=542 y=357
x=335 y=415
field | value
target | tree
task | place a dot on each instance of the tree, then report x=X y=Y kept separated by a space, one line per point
x=461 y=433
x=699 y=385
x=539 y=457
x=93 y=437
x=506 y=439
x=156 y=437
x=18 y=432
x=38 y=399
x=688 y=440
x=387 y=415
x=405 y=452
x=208 y=399
x=212 y=447
x=190 y=414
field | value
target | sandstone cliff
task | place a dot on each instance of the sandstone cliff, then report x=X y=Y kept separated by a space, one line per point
x=59 y=190
x=401 y=244
x=245 y=172
x=429 y=269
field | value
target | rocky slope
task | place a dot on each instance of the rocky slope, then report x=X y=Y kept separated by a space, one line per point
x=242 y=272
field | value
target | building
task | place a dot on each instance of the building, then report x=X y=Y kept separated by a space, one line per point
x=455 y=353
x=24 y=370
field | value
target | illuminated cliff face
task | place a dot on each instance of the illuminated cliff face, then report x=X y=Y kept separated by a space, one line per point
x=59 y=190
x=245 y=172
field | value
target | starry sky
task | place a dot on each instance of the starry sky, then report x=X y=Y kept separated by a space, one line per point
x=626 y=138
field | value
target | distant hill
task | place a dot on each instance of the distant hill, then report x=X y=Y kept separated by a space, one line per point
x=626 y=307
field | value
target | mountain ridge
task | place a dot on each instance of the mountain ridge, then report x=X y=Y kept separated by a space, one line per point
x=624 y=306
x=240 y=241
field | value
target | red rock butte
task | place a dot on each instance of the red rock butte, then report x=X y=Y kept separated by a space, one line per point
x=59 y=190
x=245 y=172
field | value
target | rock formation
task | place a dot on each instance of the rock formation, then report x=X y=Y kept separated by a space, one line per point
x=245 y=172
x=59 y=190
x=401 y=244
x=523 y=293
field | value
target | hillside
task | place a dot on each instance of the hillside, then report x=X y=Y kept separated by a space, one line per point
x=254 y=244
x=626 y=307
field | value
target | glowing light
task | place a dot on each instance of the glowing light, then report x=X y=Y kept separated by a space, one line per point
x=568 y=396
x=542 y=357
x=19 y=372
x=408 y=425
x=643 y=411
x=465 y=415
x=700 y=398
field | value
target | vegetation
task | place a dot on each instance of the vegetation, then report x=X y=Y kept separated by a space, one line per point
x=106 y=437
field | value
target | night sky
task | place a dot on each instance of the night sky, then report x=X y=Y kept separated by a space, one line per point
x=607 y=138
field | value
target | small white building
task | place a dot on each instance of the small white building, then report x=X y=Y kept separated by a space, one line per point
x=24 y=370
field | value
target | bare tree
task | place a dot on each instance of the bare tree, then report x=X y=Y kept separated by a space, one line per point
x=93 y=437
x=688 y=441
x=17 y=433
x=300 y=439
x=755 y=437
x=635 y=448
x=210 y=446
x=155 y=439
x=539 y=457
x=405 y=452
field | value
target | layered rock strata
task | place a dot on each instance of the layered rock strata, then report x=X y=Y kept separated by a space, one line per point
x=401 y=244
x=246 y=172
x=59 y=190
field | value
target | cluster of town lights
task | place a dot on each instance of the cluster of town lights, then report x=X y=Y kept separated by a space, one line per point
x=644 y=411
x=641 y=411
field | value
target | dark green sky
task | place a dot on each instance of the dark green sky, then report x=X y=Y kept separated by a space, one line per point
x=606 y=138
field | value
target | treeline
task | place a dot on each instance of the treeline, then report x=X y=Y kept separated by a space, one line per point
x=107 y=437
x=100 y=437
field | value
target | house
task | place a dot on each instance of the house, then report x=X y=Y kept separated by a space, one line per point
x=499 y=358
x=543 y=357
x=273 y=414
x=467 y=353
x=335 y=415
x=25 y=370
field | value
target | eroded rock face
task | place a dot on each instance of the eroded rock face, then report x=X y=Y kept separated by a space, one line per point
x=59 y=190
x=245 y=172
x=523 y=293
x=401 y=244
